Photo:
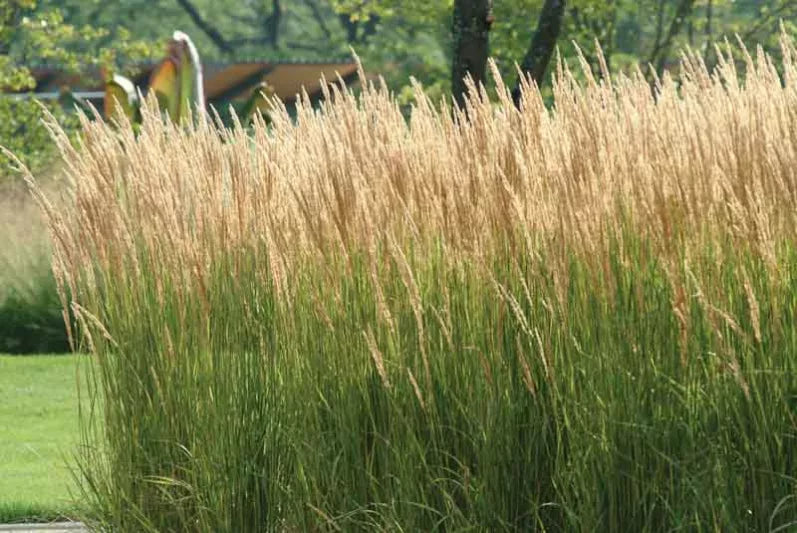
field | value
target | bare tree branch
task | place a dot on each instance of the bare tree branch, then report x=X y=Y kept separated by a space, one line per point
x=269 y=23
x=315 y=9
x=248 y=20
x=214 y=35
x=784 y=10
x=290 y=45
x=657 y=56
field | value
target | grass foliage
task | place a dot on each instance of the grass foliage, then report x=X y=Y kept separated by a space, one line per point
x=573 y=319
x=39 y=425
x=26 y=513
x=31 y=319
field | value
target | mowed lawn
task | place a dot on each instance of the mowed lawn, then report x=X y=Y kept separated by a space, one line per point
x=38 y=434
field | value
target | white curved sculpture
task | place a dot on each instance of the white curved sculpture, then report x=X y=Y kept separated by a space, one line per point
x=199 y=91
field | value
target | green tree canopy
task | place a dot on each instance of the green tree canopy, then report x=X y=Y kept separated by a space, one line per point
x=34 y=33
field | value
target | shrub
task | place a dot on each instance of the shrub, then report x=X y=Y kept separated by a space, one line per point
x=31 y=320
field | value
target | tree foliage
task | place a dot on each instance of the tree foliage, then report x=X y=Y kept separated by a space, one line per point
x=34 y=34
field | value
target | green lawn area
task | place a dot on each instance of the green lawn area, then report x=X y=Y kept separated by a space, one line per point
x=38 y=433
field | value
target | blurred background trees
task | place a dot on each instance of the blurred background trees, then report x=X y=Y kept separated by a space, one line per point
x=394 y=39
x=414 y=37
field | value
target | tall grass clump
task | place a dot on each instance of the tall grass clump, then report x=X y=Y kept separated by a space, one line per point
x=569 y=319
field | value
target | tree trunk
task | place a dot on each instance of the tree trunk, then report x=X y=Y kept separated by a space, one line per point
x=470 y=29
x=709 y=34
x=658 y=56
x=350 y=26
x=537 y=57
x=272 y=24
